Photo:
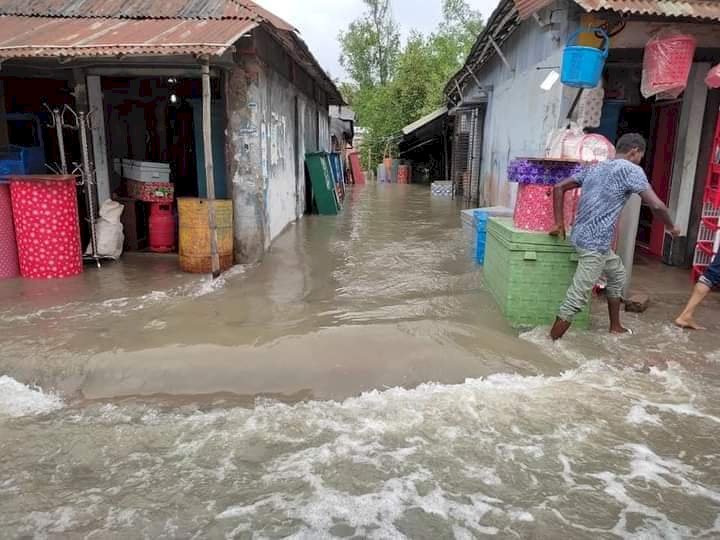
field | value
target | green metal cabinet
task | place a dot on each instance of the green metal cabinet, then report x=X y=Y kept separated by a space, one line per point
x=323 y=185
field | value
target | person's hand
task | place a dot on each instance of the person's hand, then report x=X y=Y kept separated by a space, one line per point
x=675 y=232
x=558 y=231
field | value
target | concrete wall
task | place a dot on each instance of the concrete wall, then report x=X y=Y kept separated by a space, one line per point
x=275 y=115
x=519 y=114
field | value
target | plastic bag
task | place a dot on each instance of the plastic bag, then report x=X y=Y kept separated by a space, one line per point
x=574 y=143
x=109 y=231
x=713 y=77
x=666 y=64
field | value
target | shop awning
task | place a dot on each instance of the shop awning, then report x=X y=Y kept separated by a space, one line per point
x=695 y=9
x=35 y=37
x=425 y=120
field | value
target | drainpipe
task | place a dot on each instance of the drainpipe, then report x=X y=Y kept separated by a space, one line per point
x=209 y=175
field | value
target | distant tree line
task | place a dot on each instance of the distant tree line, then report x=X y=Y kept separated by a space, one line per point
x=392 y=84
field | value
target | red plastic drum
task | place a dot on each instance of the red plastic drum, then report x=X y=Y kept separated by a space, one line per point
x=45 y=213
x=8 y=247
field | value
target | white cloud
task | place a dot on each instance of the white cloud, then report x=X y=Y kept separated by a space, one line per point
x=320 y=21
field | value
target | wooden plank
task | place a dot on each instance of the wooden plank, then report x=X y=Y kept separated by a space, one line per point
x=99 y=140
x=209 y=176
x=4 y=138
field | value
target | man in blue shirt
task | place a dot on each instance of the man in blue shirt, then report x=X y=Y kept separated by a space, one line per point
x=606 y=187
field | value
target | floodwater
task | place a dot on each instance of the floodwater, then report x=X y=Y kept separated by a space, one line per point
x=359 y=383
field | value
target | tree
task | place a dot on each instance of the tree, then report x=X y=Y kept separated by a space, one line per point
x=391 y=88
x=371 y=45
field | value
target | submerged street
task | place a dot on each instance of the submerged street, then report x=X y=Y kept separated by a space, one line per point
x=359 y=382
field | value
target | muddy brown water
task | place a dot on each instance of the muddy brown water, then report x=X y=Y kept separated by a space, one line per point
x=359 y=383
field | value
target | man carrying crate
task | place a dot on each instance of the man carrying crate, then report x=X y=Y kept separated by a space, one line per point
x=606 y=187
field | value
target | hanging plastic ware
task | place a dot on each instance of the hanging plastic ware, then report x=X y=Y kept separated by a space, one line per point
x=713 y=77
x=666 y=65
x=582 y=66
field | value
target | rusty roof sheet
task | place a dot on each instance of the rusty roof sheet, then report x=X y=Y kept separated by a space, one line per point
x=27 y=37
x=697 y=9
x=144 y=9
x=527 y=7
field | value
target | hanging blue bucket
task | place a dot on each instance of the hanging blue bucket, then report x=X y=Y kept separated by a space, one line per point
x=582 y=66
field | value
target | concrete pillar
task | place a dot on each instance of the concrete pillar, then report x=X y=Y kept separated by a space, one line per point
x=244 y=157
x=688 y=146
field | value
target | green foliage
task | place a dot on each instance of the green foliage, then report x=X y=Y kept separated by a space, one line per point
x=391 y=87
x=371 y=45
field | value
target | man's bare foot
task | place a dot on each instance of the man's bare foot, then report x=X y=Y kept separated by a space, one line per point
x=621 y=330
x=688 y=323
x=559 y=329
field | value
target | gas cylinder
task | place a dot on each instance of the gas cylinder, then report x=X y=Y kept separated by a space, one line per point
x=162 y=237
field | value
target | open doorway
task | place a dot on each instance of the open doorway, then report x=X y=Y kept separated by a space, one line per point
x=626 y=111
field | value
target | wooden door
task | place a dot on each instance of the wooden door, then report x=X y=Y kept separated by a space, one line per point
x=663 y=138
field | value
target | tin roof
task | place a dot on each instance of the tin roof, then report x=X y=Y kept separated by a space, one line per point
x=527 y=7
x=33 y=37
x=113 y=28
x=144 y=9
x=696 y=9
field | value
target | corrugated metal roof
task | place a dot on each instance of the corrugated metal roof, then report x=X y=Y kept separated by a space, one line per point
x=417 y=124
x=25 y=37
x=501 y=25
x=144 y=9
x=697 y=9
x=527 y=7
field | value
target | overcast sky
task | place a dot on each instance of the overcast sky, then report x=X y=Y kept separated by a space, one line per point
x=320 y=21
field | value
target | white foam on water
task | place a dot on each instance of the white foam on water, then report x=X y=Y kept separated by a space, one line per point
x=17 y=399
x=639 y=415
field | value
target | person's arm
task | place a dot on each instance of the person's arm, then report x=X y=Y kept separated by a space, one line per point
x=558 y=204
x=650 y=198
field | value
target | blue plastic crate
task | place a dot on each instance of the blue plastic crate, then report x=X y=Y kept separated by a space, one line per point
x=481 y=220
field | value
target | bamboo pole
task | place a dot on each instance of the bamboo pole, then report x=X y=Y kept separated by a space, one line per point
x=209 y=175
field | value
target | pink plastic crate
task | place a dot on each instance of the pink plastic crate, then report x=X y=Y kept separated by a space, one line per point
x=534 y=208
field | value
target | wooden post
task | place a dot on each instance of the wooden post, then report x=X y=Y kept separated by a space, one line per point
x=99 y=144
x=209 y=176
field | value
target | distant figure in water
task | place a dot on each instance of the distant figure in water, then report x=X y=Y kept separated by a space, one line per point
x=707 y=282
x=606 y=187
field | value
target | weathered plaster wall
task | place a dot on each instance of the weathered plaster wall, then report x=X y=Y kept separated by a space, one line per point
x=279 y=127
x=273 y=113
x=244 y=159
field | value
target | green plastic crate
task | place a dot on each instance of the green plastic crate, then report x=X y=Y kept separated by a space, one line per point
x=529 y=274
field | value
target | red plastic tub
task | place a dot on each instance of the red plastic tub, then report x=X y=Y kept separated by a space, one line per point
x=45 y=213
x=8 y=246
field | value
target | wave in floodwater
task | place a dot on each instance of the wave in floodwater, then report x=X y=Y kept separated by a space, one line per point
x=17 y=399
x=597 y=452
x=124 y=306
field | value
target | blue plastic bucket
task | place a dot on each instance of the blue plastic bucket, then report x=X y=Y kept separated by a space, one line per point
x=582 y=66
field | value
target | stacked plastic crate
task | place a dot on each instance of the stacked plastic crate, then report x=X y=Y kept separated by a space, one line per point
x=708 y=241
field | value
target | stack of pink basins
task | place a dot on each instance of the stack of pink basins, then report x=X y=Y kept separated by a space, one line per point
x=534 y=209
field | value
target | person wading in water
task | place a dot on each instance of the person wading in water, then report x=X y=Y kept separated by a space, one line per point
x=606 y=187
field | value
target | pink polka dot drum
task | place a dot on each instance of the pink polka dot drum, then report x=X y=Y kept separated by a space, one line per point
x=8 y=247
x=45 y=212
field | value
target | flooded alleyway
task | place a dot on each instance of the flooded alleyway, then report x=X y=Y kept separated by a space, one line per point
x=359 y=382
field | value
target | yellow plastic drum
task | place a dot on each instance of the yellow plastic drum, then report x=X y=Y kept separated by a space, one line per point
x=194 y=227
